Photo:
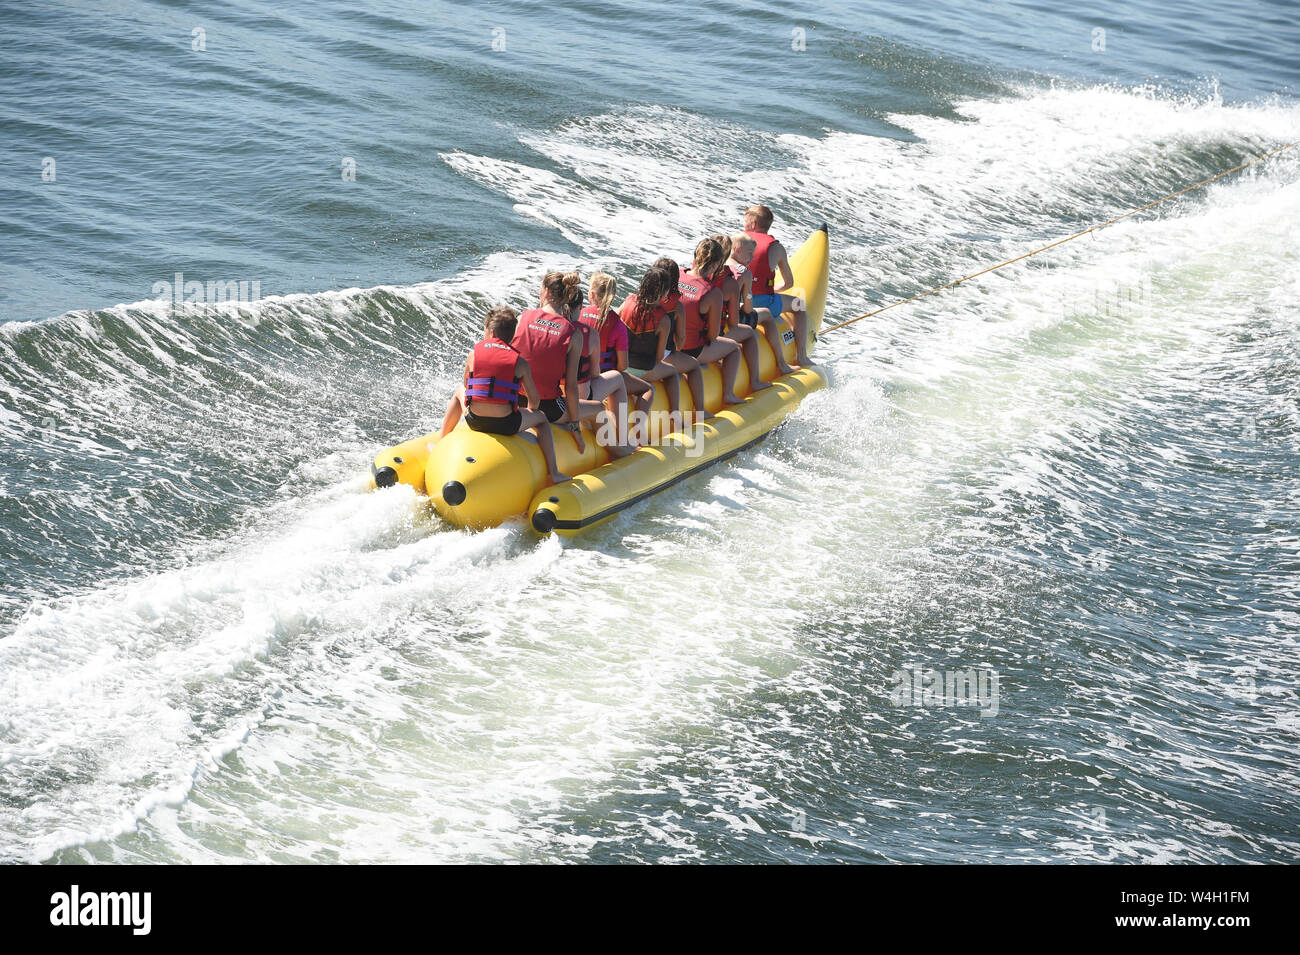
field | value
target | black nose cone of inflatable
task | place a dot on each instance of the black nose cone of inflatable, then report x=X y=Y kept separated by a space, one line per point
x=453 y=492
x=825 y=228
x=543 y=520
x=385 y=477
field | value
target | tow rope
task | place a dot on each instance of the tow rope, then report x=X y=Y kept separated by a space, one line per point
x=1068 y=238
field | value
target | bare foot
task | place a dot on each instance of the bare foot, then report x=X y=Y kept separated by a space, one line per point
x=730 y=400
x=804 y=362
x=783 y=369
x=760 y=385
x=621 y=450
x=580 y=441
x=558 y=478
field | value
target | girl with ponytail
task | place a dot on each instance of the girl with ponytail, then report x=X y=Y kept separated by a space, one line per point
x=546 y=338
x=731 y=328
x=702 y=305
x=650 y=329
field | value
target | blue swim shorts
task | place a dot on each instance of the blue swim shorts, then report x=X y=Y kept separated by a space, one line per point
x=770 y=302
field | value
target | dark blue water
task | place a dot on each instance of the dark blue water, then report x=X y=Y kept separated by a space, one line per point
x=1074 y=479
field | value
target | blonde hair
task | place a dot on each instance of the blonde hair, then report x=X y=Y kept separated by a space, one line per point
x=760 y=217
x=601 y=294
x=724 y=241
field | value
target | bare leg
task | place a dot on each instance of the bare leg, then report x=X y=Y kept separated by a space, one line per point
x=772 y=330
x=747 y=340
x=689 y=367
x=673 y=386
x=537 y=422
x=452 y=416
x=727 y=351
x=645 y=393
x=591 y=411
x=794 y=305
x=672 y=380
x=612 y=390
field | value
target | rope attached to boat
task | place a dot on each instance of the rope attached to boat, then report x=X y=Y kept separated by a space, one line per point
x=1068 y=238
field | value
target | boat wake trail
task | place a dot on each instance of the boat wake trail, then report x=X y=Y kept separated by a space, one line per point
x=1078 y=472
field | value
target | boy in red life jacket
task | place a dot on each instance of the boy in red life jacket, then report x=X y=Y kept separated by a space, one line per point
x=770 y=260
x=731 y=328
x=703 y=307
x=494 y=372
x=742 y=251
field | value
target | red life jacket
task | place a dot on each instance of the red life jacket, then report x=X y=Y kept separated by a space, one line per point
x=642 y=336
x=590 y=336
x=719 y=280
x=591 y=318
x=492 y=374
x=739 y=273
x=668 y=306
x=635 y=326
x=693 y=288
x=764 y=277
x=543 y=339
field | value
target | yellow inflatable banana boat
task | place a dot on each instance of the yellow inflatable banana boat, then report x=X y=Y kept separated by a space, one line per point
x=481 y=480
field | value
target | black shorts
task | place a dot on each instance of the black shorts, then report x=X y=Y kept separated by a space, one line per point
x=487 y=425
x=553 y=408
x=749 y=318
x=693 y=352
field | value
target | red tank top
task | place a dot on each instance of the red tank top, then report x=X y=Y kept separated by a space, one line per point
x=543 y=339
x=764 y=277
x=492 y=374
x=693 y=288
